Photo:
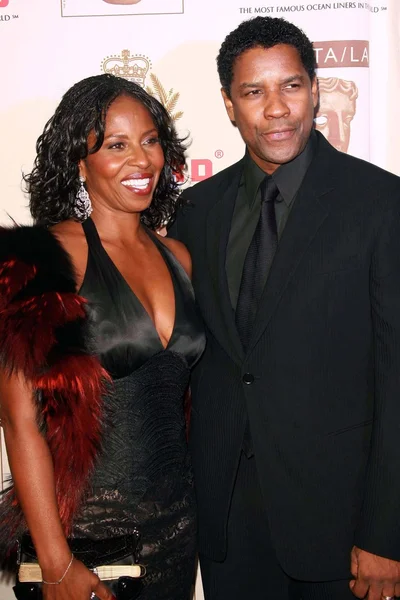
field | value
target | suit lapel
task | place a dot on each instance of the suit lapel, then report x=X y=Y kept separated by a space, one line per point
x=218 y=228
x=307 y=215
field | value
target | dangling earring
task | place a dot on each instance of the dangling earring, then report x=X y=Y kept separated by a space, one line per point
x=83 y=207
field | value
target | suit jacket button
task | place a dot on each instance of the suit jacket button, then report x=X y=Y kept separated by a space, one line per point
x=248 y=378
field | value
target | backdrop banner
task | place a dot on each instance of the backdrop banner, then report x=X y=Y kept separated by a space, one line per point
x=169 y=47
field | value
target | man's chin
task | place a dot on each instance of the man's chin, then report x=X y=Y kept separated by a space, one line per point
x=276 y=159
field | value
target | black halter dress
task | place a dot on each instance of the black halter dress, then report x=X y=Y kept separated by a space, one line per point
x=143 y=479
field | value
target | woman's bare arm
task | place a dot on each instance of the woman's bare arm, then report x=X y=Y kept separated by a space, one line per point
x=32 y=471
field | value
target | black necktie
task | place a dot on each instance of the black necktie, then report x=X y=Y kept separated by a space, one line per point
x=258 y=261
x=256 y=267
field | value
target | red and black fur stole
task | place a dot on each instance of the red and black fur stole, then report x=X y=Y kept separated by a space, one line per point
x=45 y=335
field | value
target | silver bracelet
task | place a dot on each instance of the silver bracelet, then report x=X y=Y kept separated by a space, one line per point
x=65 y=572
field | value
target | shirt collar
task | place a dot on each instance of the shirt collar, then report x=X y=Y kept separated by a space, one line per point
x=252 y=178
x=288 y=177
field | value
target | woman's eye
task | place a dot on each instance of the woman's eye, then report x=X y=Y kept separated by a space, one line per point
x=117 y=145
x=152 y=140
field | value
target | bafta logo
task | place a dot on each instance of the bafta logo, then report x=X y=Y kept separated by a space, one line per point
x=134 y=68
x=337 y=107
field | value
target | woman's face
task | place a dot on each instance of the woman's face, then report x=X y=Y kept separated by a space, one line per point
x=124 y=173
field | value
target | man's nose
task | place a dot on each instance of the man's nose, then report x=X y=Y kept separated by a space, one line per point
x=275 y=106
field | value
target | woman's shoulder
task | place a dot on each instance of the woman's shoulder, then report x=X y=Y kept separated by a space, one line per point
x=179 y=250
x=68 y=232
x=72 y=237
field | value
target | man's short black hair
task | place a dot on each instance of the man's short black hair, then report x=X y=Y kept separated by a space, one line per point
x=262 y=32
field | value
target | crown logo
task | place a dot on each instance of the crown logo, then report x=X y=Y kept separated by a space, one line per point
x=133 y=68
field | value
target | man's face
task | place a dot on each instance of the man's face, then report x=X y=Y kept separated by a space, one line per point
x=336 y=111
x=272 y=102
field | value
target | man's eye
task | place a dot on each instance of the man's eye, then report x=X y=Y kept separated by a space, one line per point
x=253 y=93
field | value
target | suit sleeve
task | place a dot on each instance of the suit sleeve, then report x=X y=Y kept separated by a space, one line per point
x=174 y=230
x=379 y=526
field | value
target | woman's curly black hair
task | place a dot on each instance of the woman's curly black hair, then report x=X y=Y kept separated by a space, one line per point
x=54 y=181
x=262 y=32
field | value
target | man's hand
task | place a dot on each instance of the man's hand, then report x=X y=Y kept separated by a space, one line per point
x=375 y=577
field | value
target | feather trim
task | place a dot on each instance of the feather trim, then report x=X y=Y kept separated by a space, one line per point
x=44 y=334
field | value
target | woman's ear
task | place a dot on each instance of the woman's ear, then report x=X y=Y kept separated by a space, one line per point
x=82 y=169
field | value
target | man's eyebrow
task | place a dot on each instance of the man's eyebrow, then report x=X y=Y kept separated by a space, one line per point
x=253 y=84
x=258 y=84
x=293 y=78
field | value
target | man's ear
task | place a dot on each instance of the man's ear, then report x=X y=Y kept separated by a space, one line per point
x=228 y=105
x=314 y=91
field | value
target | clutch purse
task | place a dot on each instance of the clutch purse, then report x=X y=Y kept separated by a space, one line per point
x=111 y=559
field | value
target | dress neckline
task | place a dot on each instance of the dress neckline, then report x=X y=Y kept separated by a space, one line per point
x=92 y=236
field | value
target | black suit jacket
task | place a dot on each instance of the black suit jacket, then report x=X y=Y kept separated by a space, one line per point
x=324 y=405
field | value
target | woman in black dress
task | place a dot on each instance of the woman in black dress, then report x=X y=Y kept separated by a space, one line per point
x=103 y=183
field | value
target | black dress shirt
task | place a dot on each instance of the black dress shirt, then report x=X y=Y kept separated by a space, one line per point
x=288 y=178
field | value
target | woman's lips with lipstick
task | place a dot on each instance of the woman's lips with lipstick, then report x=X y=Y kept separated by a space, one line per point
x=278 y=135
x=139 y=183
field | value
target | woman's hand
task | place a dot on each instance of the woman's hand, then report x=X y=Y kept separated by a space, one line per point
x=78 y=584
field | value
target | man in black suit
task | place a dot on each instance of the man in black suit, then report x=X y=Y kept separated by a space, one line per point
x=295 y=425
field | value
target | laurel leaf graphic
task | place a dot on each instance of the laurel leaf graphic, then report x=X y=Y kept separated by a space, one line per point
x=172 y=102
x=159 y=88
x=177 y=115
